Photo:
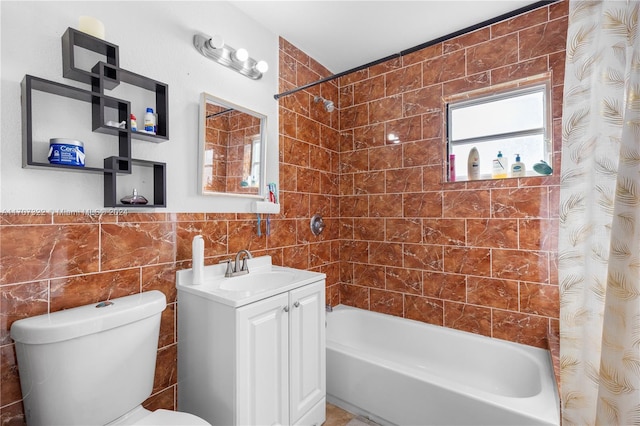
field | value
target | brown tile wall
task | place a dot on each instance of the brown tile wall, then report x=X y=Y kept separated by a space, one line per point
x=478 y=256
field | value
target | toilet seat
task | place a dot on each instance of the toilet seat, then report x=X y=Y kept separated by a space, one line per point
x=170 y=418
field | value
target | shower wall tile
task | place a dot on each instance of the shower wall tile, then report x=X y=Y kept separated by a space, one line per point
x=468 y=260
x=422 y=256
x=386 y=302
x=497 y=233
x=404 y=280
x=369 y=276
x=492 y=54
x=367 y=90
x=502 y=294
x=445 y=286
x=520 y=328
x=539 y=299
x=466 y=204
x=543 y=39
x=404 y=79
x=467 y=317
x=484 y=253
x=384 y=157
x=425 y=204
x=424 y=309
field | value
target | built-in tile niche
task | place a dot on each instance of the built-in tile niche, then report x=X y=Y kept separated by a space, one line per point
x=103 y=77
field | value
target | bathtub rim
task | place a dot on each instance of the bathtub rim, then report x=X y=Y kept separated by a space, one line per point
x=541 y=357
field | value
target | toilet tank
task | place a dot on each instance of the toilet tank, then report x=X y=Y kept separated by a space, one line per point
x=91 y=364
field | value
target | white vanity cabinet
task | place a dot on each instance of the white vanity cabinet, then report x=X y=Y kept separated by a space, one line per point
x=262 y=363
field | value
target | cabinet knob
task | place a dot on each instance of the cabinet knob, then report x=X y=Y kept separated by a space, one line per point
x=296 y=304
x=286 y=308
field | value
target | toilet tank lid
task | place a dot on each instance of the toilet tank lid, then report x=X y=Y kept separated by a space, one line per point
x=88 y=319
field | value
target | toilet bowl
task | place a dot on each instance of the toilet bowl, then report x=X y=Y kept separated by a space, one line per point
x=140 y=417
x=94 y=364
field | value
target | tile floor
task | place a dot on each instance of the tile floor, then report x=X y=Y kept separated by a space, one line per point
x=336 y=416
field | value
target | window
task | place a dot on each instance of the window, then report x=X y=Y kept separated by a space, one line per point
x=514 y=122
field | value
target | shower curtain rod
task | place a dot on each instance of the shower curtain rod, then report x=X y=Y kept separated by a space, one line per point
x=421 y=46
x=215 y=114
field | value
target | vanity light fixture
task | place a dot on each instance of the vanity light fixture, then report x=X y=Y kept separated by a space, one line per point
x=239 y=60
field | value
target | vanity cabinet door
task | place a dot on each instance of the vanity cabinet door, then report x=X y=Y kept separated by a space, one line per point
x=307 y=348
x=263 y=362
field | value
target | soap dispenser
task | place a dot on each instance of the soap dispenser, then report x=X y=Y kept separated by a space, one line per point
x=500 y=167
x=518 y=169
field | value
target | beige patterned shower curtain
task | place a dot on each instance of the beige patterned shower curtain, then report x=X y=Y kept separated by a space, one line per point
x=599 y=246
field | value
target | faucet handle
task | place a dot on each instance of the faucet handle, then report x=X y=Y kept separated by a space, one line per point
x=229 y=271
x=245 y=267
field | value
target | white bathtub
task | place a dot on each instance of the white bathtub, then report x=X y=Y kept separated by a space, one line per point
x=398 y=371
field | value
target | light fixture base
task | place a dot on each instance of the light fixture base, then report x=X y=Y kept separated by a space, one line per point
x=225 y=56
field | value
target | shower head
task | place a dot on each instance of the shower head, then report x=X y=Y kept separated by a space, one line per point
x=328 y=105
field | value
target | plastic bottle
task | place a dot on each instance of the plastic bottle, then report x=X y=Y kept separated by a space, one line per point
x=518 y=169
x=452 y=167
x=473 y=164
x=149 y=121
x=500 y=167
x=134 y=123
x=197 y=259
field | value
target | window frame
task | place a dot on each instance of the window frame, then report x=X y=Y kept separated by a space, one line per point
x=497 y=93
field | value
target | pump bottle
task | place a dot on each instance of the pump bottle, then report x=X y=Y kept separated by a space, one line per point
x=500 y=167
x=518 y=169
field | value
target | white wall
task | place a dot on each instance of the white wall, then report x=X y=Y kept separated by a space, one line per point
x=155 y=40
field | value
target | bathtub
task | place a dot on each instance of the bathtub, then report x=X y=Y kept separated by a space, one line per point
x=404 y=372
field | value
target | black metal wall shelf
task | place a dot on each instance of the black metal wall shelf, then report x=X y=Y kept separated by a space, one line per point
x=114 y=76
x=30 y=84
x=72 y=38
x=111 y=166
x=103 y=76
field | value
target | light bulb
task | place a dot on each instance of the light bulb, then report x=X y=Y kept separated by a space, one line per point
x=216 y=42
x=241 y=54
x=262 y=66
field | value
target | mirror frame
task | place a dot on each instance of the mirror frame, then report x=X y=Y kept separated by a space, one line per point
x=209 y=98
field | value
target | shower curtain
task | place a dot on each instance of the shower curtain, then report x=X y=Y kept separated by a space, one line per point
x=599 y=245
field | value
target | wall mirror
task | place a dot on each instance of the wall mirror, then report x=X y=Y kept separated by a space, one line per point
x=232 y=149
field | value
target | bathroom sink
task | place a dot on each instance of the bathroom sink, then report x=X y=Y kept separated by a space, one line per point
x=263 y=280
x=258 y=281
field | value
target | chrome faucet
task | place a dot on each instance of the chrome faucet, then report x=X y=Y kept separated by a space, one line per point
x=233 y=271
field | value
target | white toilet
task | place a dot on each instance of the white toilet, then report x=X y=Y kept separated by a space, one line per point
x=94 y=364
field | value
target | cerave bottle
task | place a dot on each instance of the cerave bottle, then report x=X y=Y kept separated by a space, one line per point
x=518 y=169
